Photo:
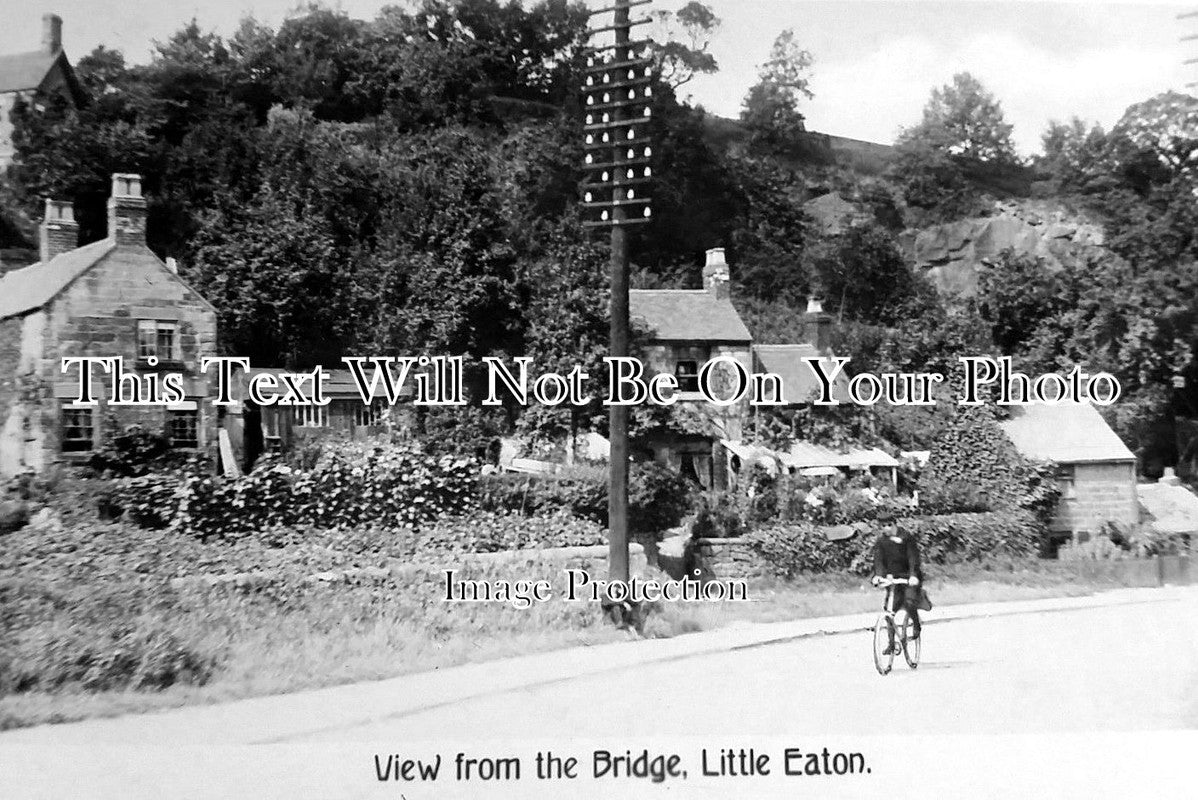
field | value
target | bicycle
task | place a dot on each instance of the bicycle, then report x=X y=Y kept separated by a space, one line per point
x=885 y=629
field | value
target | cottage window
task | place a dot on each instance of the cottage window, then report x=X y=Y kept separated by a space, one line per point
x=78 y=429
x=310 y=416
x=1067 y=482
x=687 y=374
x=183 y=428
x=158 y=339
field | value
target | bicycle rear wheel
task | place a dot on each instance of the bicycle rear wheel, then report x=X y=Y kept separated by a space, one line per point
x=910 y=646
x=883 y=635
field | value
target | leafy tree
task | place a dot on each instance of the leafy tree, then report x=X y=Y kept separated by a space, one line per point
x=1165 y=126
x=771 y=108
x=1017 y=294
x=962 y=118
x=1078 y=157
x=272 y=271
x=683 y=37
x=862 y=275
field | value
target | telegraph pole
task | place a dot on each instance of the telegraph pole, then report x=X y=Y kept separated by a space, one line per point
x=1189 y=38
x=617 y=95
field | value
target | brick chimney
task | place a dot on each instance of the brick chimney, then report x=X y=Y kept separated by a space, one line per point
x=817 y=326
x=127 y=210
x=51 y=33
x=58 y=232
x=715 y=275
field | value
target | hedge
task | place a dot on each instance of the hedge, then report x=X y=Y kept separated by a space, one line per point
x=351 y=484
x=794 y=548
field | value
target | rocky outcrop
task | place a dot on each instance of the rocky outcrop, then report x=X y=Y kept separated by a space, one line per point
x=952 y=254
x=833 y=214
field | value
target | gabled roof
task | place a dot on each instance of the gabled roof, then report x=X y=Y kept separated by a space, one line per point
x=30 y=288
x=799 y=382
x=687 y=315
x=25 y=72
x=1066 y=433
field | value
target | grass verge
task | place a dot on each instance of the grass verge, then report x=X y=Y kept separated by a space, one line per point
x=108 y=620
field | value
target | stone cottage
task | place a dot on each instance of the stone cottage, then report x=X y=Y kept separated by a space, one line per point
x=111 y=297
x=45 y=70
x=688 y=327
x=1096 y=470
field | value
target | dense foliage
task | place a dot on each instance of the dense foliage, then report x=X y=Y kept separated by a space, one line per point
x=389 y=485
x=658 y=497
x=795 y=548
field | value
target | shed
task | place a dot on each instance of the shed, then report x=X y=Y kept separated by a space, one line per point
x=1096 y=470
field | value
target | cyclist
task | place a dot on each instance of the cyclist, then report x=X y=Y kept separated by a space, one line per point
x=896 y=555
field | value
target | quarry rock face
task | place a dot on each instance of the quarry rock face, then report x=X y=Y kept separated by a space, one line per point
x=833 y=214
x=954 y=253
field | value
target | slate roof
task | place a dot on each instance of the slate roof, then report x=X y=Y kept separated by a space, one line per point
x=799 y=382
x=1067 y=433
x=687 y=315
x=30 y=288
x=21 y=72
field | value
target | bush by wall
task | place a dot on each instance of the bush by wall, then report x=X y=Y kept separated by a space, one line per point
x=798 y=547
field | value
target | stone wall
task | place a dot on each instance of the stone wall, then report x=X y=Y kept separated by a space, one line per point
x=728 y=558
x=1101 y=493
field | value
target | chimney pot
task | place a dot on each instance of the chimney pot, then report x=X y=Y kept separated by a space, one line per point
x=817 y=326
x=58 y=232
x=51 y=33
x=172 y=264
x=127 y=210
x=715 y=274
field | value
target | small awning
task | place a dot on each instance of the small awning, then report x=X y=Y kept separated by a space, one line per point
x=804 y=456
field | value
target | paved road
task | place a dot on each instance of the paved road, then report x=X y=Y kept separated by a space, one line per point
x=1120 y=668
x=1106 y=699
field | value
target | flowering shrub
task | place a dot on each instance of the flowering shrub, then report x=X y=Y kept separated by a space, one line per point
x=768 y=501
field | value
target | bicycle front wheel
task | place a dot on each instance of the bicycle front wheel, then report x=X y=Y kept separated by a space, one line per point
x=910 y=645
x=883 y=636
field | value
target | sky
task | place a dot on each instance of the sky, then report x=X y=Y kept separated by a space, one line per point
x=875 y=64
